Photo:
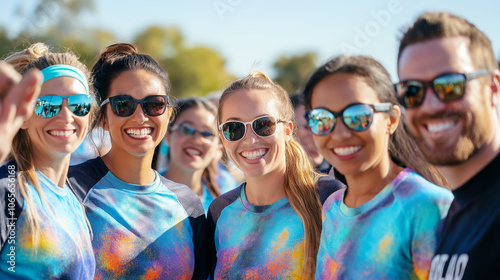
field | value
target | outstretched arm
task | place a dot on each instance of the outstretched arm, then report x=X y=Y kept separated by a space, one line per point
x=17 y=99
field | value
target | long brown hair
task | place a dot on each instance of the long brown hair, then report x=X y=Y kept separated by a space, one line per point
x=403 y=149
x=36 y=56
x=300 y=178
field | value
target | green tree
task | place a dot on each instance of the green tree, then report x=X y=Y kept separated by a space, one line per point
x=193 y=71
x=197 y=71
x=293 y=71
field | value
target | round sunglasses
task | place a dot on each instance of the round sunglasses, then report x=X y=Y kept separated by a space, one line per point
x=261 y=126
x=48 y=106
x=356 y=117
x=187 y=130
x=125 y=105
x=447 y=87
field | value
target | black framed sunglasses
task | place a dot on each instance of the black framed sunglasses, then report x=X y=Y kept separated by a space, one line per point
x=125 y=105
x=187 y=130
x=261 y=126
x=447 y=87
x=356 y=117
x=48 y=106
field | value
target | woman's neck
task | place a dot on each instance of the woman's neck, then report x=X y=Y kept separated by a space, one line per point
x=366 y=185
x=192 y=179
x=129 y=168
x=265 y=190
x=55 y=169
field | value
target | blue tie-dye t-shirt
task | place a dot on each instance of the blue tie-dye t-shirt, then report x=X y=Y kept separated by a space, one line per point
x=392 y=236
x=64 y=250
x=153 y=231
x=258 y=242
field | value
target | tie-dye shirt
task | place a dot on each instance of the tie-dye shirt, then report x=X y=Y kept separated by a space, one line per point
x=392 y=236
x=64 y=250
x=258 y=242
x=153 y=231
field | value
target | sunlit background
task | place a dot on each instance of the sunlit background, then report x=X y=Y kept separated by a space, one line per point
x=205 y=44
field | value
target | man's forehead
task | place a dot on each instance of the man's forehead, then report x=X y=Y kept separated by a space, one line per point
x=425 y=60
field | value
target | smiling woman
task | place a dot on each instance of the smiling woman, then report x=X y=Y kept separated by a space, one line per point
x=136 y=213
x=269 y=227
x=44 y=232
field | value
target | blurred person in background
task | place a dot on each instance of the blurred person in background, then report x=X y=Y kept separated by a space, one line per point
x=195 y=150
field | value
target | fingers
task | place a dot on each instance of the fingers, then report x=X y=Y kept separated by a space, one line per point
x=24 y=94
x=8 y=78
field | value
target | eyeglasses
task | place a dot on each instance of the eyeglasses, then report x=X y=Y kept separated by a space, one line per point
x=356 y=117
x=50 y=105
x=187 y=130
x=261 y=126
x=125 y=105
x=447 y=87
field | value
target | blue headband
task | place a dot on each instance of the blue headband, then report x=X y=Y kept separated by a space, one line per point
x=63 y=70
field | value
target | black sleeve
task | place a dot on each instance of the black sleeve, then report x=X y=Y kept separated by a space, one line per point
x=84 y=176
x=326 y=186
x=192 y=204
x=213 y=215
x=11 y=202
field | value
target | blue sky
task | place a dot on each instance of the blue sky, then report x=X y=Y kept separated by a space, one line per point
x=255 y=33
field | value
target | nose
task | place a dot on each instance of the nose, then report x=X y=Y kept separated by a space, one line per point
x=139 y=113
x=431 y=103
x=65 y=115
x=340 y=131
x=250 y=134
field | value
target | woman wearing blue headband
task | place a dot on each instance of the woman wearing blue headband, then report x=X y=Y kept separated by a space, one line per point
x=43 y=228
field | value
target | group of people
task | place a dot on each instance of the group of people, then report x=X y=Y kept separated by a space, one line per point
x=417 y=161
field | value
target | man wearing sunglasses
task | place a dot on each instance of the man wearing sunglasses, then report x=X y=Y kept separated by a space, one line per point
x=449 y=85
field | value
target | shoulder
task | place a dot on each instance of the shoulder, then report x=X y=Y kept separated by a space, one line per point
x=415 y=192
x=84 y=176
x=222 y=201
x=415 y=187
x=186 y=197
x=326 y=186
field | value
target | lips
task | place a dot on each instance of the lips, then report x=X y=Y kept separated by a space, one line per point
x=346 y=151
x=61 y=133
x=192 y=152
x=139 y=132
x=440 y=127
x=254 y=154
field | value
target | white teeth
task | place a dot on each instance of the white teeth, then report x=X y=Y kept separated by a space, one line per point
x=64 y=133
x=439 y=127
x=139 y=133
x=346 y=151
x=193 y=152
x=254 y=154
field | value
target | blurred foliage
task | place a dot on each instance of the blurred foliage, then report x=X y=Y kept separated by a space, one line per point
x=293 y=72
x=193 y=70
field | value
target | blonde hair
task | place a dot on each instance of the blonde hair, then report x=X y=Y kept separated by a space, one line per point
x=300 y=178
x=36 y=56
